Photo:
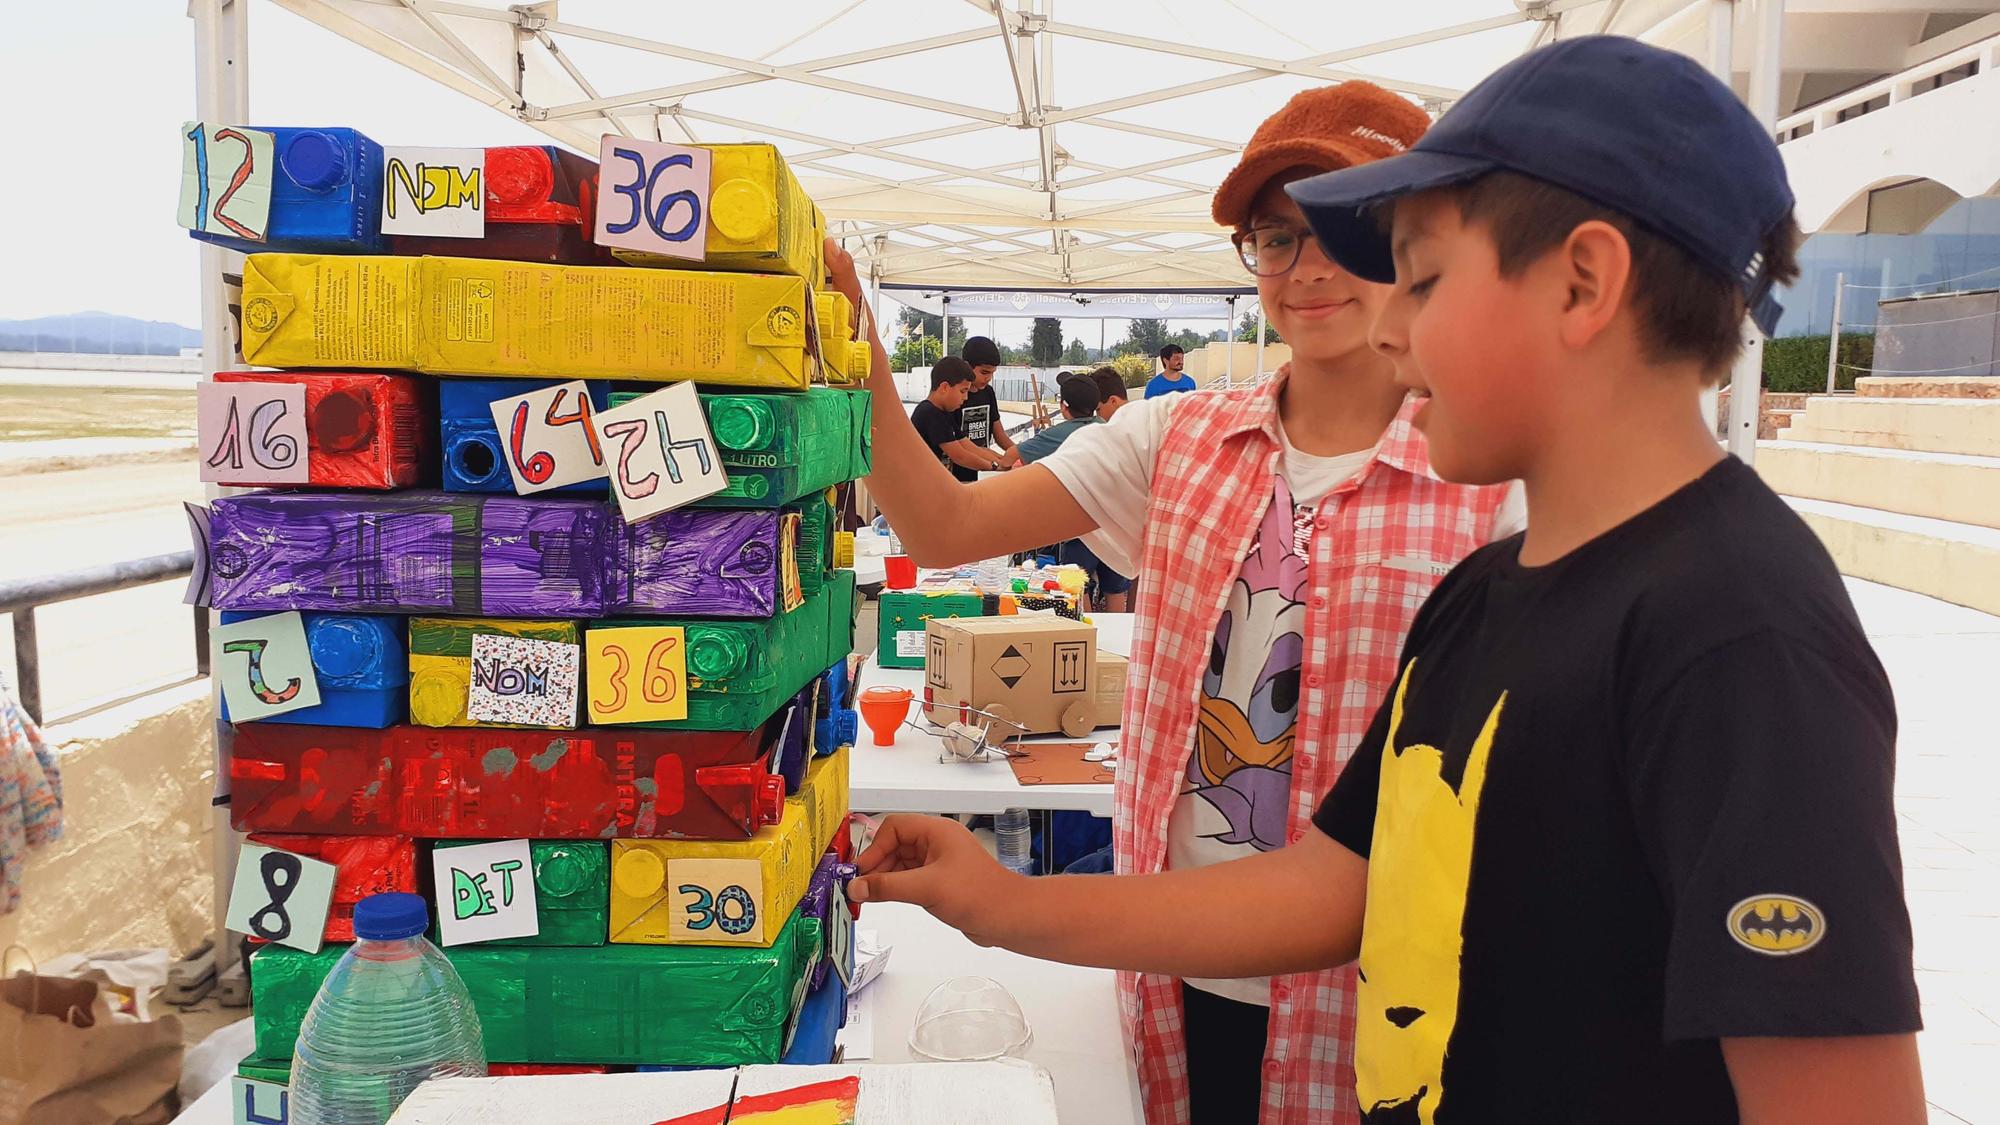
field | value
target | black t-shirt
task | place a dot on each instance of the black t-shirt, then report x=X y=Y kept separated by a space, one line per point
x=977 y=417
x=1661 y=816
x=937 y=427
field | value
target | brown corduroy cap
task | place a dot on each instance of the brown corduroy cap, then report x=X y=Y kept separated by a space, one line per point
x=1328 y=128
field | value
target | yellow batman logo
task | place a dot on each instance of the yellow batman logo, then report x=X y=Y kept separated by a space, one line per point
x=1418 y=869
x=1776 y=924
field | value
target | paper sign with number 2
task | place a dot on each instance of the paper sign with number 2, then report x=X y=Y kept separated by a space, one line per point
x=637 y=674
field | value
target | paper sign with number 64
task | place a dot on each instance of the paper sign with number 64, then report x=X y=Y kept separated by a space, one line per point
x=659 y=452
x=637 y=674
x=548 y=437
x=653 y=197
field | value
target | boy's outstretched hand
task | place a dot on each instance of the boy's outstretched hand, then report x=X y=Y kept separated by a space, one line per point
x=937 y=864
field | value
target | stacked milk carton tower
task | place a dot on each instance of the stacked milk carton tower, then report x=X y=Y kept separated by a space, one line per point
x=516 y=618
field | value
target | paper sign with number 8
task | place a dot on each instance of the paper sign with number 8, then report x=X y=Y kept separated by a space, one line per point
x=636 y=673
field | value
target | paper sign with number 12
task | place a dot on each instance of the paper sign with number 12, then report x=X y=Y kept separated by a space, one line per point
x=636 y=674
x=549 y=438
x=660 y=452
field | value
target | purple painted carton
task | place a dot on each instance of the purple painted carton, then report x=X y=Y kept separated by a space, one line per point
x=699 y=563
x=408 y=552
x=818 y=901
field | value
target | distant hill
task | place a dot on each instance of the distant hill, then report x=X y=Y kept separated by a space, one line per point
x=96 y=333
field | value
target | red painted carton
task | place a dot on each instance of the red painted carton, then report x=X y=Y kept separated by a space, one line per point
x=363 y=430
x=362 y=866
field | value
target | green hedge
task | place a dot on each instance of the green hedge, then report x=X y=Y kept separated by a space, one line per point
x=1797 y=364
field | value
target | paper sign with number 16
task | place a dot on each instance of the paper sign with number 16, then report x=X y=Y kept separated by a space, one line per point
x=637 y=674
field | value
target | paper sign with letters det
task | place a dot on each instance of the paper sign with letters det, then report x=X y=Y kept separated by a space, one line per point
x=264 y=666
x=280 y=897
x=485 y=892
x=522 y=681
x=226 y=181
x=653 y=197
x=549 y=437
x=660 y=452
x=439 y=192
x=636 y=674
x=252 y=433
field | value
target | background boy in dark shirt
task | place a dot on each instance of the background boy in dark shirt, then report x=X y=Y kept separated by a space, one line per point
x=936 y=420
x=1623 y=836
x=980 y=416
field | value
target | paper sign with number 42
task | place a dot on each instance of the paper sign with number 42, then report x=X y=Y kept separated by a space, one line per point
x=549 y=437
x=264 y=665
x=653 y=197
x=637 y=674
x=660 y=452
x=252 y=433
x=280 y=897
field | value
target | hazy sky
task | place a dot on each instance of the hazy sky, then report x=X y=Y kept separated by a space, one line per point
x=98 y=88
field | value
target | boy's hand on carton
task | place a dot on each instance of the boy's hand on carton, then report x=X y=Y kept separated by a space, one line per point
x=938 y=865
x=840 y=269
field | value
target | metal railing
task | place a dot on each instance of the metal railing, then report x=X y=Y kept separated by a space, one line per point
x=22 y=596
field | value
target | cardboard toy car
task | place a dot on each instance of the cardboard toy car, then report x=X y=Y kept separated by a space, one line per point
x=1035 y=670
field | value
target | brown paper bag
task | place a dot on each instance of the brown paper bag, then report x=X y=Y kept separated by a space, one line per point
x=62 y=1064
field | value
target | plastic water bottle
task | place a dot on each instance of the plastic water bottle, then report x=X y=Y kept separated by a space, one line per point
x=392 y=1014
x=1014 y=841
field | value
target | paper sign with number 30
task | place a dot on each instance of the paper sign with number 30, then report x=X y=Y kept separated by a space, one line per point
x=637 y=674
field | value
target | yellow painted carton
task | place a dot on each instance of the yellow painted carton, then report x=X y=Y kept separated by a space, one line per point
x=759 y=219
x=712 y=892
x=466 y=316
x=825 y=796
x=441 y=663
x=837 y=345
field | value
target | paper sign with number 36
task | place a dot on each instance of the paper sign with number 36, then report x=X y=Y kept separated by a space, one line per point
x=653 y=197
x=637 y=673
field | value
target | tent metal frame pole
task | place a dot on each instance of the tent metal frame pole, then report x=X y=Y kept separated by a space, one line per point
x=1229 y=346
x=1721 y=16
x=1260 y=341
x=1746 y=383
x=222 y=94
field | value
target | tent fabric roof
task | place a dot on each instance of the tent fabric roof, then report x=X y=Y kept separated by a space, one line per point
x=1038 y=144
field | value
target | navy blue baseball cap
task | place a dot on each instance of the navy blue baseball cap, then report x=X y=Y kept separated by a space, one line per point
x=1639 y=130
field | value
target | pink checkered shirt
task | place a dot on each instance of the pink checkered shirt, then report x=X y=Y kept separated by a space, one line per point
x=1379 y=543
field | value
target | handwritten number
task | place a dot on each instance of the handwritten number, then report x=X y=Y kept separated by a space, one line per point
x=280 y=452
x=668 y=445
x=535 y=469
x=630 y=191
x=661 y=685
x=255 y=650
x=706 y=909
x=617 y=702
x=639 y=191
x=630 y=433
x=243 y=172
x=199 y=135
x=280 y=872
x=580 y=416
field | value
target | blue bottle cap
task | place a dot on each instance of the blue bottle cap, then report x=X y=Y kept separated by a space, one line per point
x=343 y=646
x=315 y=161
x=387 y=917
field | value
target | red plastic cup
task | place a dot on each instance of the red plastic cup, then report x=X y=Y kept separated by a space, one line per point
x=900 y=574
x=884 y=708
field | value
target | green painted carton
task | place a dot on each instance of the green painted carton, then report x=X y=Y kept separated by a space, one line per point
x=815 y=541
x=572 y=892
x=654 y=1005
x=740 y=672
x=779 y=447
x=265 y=1070
x=900 y=617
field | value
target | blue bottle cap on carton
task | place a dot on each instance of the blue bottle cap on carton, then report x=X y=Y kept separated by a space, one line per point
x=314 y=160
x=387 y=917
x=343 y=646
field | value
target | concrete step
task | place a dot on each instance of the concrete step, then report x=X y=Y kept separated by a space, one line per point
x=1928 y=386
x=1954 y=562
x=1931 y=425
x=1942 y=486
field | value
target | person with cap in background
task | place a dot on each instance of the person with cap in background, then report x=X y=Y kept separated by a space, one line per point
x=1112 y=393
x=1282 y=536
x=1170 y=380
x=979 y=418
x=1109 y=590
x=1620 y=844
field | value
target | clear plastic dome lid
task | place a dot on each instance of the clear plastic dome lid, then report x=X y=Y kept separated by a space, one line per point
x=969 y=1019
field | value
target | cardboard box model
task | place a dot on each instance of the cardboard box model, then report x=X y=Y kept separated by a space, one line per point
x=1111 y=672
x=1034 y=670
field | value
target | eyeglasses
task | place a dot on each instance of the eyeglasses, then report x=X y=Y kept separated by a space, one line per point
x=1270 y=250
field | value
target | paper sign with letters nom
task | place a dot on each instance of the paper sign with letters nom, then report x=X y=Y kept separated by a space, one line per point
x=653 y=197
x=226 y=181
x=716 y=900
x=636 y=674
x=549 y=438
x=439 y=192
x=522 y=681
x=280 y=897
x=264 y=665
x=252 y=433
x=660 y=452
x=485 y=892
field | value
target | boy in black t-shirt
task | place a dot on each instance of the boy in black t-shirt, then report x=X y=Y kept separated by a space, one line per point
x=979 y=417
x=1623 y=835
x=936 y=420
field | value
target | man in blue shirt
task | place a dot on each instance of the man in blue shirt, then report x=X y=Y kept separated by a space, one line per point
x=1170 y=380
